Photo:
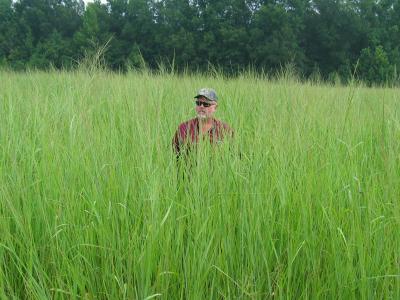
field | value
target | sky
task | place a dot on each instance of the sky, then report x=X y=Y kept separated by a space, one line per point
x=87 y=1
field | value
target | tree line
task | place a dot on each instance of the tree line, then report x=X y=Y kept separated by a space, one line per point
x=325 y=38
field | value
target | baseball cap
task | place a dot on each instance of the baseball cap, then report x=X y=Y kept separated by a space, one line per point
x=210 y=94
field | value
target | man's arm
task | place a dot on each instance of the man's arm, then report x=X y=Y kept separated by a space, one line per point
x=176 y=145
x=179 y=140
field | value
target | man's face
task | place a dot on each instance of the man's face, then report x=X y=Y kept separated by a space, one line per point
x=205 y=108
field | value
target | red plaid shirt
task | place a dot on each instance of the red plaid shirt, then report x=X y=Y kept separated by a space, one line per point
x=188 y=133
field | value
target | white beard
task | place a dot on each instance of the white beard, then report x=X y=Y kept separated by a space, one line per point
x=202 y=116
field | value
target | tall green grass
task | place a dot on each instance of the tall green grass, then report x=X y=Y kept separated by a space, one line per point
x=303 y=203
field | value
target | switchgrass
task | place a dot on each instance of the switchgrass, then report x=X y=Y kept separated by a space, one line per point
x=303 y=203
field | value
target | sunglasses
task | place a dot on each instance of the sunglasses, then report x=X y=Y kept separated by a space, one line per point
x=205 y=104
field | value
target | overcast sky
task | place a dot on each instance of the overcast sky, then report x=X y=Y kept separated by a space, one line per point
x=87 y=1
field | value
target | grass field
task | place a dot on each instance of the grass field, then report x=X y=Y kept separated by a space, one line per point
x=303 y=203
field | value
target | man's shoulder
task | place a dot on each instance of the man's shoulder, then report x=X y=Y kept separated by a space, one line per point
x=223 y=125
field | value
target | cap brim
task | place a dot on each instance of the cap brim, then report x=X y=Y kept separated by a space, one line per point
x=210 y=100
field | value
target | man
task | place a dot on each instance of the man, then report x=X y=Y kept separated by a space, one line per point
x=204 y=126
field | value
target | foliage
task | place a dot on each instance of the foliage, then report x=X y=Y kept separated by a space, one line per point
x=374 y=66
x=302 y=204
x=318 y=36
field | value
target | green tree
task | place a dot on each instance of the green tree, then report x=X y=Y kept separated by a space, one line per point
x=374 y=66
x=221 y=33
x=334 y=37
x=95 y=30
x=177 y=21
x=32 y=25
x=234 y=35
x=118 y=50
x=51 y=52
x=140 y=32
x=274 y=36
x=7 y=27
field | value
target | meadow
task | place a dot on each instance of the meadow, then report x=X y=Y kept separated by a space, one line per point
x=302 y=204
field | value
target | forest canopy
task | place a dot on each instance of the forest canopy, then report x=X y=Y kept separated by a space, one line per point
x=325 y=38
